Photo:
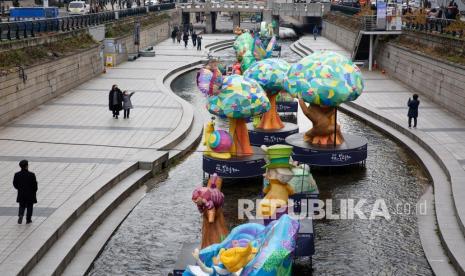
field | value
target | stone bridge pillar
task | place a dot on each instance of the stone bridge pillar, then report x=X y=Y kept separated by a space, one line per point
x=236 y=18
x=209 y=28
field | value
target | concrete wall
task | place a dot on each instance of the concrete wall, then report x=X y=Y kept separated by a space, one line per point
x=46 y=81
x=340 y=35
x=148 y=37
x=443 y=82
x=435 y=41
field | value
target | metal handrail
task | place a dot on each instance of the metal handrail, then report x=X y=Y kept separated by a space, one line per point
x=15 y=30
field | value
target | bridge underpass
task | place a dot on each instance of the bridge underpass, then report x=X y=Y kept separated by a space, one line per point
x=269 y=12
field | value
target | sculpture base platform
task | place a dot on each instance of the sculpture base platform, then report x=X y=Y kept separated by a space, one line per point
x=236 y=167
x=352 y=151
x=287 y=106
x=260 y=137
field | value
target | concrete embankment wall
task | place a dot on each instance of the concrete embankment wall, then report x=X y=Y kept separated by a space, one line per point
x=150 y=36
x=46 y=81
x=342 y=36
x=51 y=79
x=440 y=81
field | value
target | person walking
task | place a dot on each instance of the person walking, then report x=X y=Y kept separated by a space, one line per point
x=199 y=43
x=115 y=100
x=173 y=35
x=127 y=104
x=191 y=28
x=26 y=183
x=179 y=36
x=185 y=37
x=194 y=39
x=413 y=110
x=315 y=32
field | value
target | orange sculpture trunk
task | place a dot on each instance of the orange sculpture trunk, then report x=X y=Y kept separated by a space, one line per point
x=241 y=142
x=213 y=232
x=270 y=120
x=323 y=119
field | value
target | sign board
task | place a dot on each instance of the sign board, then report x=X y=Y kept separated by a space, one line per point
x=381 y=9
x=109 y=60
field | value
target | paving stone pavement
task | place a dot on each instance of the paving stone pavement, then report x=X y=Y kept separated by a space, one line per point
x=73 y=139
x=391 y=97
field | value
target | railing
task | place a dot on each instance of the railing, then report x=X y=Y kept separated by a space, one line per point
x=431 y=25
x=345 y=9
x=223 y=5
x=25 y=29
x=369 y=22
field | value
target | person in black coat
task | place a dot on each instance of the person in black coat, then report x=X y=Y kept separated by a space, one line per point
x=413 y=110
x=115 y=101
x=185 y=37
x=194 y=39
x=25 y=182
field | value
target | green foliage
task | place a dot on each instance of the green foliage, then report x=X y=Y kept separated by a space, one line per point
x=127 y=27
x=31 y=55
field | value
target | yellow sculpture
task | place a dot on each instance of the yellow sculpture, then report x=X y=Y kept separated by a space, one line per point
x=278 y=173
x=234 y=259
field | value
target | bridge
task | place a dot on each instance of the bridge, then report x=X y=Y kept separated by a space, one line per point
x=270 y=10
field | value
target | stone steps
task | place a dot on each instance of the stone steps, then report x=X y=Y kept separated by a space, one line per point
x=64 y=249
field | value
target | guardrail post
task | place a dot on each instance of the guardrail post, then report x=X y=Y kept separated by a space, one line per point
x=116 y=15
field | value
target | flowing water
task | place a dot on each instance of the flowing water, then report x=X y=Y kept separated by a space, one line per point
x=149 y=240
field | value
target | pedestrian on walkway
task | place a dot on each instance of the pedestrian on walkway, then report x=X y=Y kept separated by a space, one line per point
x=413 y=110
x=194 y=39
x=191 y=28
x=115 y=101
x=199 y=43
x=173 y=35
x=185 y=37
x=315 y=32
x=179 y=36
x=25 y=182
x=127 y=104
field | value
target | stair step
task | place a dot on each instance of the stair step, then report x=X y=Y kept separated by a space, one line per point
x=63 y=250
x=82 y=262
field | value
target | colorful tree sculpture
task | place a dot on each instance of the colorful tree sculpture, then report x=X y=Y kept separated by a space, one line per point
x=240 y=98
x=324 y=80
x=270 y=74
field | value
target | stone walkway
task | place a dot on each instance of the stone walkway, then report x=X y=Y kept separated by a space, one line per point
x=73 y=139
x=390 y=97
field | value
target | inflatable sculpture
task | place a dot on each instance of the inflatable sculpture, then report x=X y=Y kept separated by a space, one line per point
x=249 y=49
x=270 y=74
x=209 y=201
x=250 y=249
x=324 y=80
x=240 y=98
x=210 y=78
x=218 y=142
x=278 y=173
